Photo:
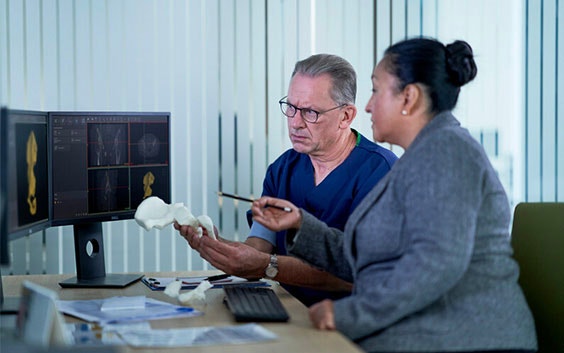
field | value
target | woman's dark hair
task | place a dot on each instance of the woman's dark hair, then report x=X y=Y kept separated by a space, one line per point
x=441 y=69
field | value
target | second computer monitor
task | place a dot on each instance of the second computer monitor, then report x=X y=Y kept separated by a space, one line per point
x=24 y=172
x=103 y=165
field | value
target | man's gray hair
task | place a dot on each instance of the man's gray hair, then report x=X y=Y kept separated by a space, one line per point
x=341 y=72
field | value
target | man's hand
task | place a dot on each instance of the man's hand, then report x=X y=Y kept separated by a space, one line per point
x=234 y=258
x=192 y=235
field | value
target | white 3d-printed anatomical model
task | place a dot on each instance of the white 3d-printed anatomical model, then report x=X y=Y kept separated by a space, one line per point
x=155 y=213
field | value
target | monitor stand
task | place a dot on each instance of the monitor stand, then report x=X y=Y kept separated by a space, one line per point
x=90 y=263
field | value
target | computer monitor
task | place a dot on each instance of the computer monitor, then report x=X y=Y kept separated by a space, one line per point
x=24 y=181
x=103 y=165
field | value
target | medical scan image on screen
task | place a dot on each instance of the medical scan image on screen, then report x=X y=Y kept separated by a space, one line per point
x=28 y=172
x=31 y=166
x=104 y=164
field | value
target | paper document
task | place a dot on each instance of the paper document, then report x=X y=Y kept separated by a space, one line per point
x=93 y=335
x=90 y=310
x=198 y=336
x=160 y=283
x=123 y=303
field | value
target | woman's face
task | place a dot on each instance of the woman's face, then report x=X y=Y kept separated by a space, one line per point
x=385 y=105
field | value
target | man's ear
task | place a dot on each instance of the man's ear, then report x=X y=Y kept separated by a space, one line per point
x=412 y=98
x=349 y=113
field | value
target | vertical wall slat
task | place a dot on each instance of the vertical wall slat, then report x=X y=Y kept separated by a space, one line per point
x=304 y=24
x=66 y=54
x=548 y=101
x=83 y=54
x=50 y=88
x=50 y=71
x=414 y=18
x=17 y=78
x=398 y=23
x=534 y=110
x=227 y=111
x=33 y=62
x=127 y=51
x=277 y=82
x=242 y=97
x=559 y=131
x=364 y=64
x=212 y=102
x=259 y=97
x=180 y=127
x=429 y=17
x=382 y=28
x=113 y=54
x=5 y=86
x=163 y=50
x=16 y=51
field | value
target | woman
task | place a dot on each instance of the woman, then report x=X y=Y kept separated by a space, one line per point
x=428 y=248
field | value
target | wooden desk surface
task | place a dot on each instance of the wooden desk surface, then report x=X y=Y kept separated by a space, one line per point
x=297 y=335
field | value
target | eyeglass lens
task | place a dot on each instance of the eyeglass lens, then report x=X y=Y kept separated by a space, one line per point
x=290 y=111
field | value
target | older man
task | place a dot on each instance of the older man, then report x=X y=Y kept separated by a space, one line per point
x=329 y=170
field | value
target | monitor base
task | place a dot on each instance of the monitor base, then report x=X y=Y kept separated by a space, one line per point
x=108 y=281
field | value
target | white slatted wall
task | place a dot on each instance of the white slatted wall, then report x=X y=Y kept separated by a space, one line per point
x=204 y=61
x=220 y=66
x=544 y=103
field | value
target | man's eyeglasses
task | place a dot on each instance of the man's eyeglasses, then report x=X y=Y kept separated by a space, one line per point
x=308 y=114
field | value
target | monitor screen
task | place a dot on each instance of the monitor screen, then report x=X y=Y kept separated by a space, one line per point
x=24 y=164
x=103 y=165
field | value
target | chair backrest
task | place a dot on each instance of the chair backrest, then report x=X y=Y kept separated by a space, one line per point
x=537 y=238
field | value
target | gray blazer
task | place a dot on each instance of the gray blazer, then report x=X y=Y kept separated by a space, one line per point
x=429 y=253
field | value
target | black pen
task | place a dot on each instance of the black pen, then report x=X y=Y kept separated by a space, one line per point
x=217 y=277
x=236 y=197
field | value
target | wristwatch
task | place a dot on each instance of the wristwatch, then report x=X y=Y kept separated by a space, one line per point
x=272 y=269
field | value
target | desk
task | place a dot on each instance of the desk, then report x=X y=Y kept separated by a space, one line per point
x=297 y=335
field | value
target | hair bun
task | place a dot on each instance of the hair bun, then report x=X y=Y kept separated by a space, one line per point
x=461 y=66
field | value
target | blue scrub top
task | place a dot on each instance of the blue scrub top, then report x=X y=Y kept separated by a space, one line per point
x=291 y=177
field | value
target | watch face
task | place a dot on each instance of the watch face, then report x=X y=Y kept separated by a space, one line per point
x=271 y=271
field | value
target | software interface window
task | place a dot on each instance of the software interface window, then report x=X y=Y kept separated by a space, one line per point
x=105 y=163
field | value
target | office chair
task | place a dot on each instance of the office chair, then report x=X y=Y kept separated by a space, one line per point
x=537 y=238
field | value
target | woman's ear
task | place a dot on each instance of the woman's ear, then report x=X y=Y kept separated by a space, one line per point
x=412 y=98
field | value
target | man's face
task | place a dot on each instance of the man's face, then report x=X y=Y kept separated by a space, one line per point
x=314 y=139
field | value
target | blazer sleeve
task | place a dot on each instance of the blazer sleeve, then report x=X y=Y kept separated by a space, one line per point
x=321 y=246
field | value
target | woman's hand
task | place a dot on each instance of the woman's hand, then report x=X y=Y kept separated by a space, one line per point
x=273 y=214
x=322 y=315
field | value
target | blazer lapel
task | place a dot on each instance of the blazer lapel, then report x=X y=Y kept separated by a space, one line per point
x=369 y=200
x=358 y=213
